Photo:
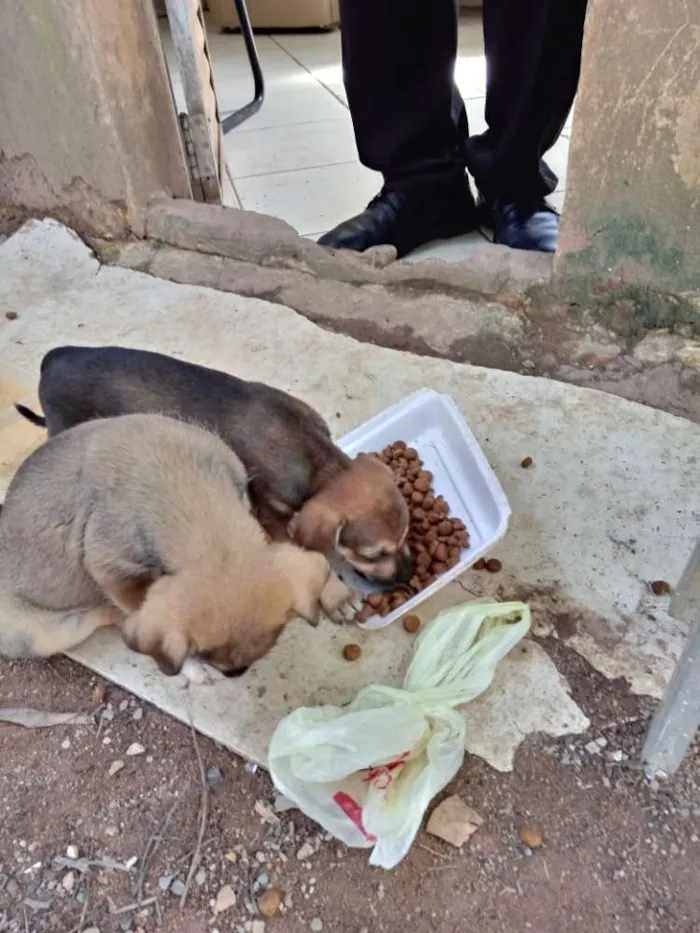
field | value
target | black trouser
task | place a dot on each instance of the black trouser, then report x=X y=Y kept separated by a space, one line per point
x=409 y=119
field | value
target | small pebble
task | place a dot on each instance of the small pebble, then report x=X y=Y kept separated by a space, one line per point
x=214 y=777
x=200 y=877
x=137 y=715
x=99 y=692
x=164 y=882
x=225 y=899
x=531 y=837
x=177 y=887
x=257 y=926
x=12 y=888
x=305 y=852
x=262 y=881
x=73 y=851
x=595 y=746
x=115 y=767
x=136 y=748
x=269 y=903
x=316 y=925
x=68 y=882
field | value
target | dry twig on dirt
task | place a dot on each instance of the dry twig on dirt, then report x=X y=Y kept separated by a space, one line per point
x=203 y=814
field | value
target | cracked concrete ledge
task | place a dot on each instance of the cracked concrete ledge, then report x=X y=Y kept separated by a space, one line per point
x=624 y=299
x=270 y=242
x=410 y=309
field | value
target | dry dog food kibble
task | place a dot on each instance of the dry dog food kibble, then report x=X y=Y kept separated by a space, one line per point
x=660 y=588
x=352 y=652
x=436 y=540
x=411 y=623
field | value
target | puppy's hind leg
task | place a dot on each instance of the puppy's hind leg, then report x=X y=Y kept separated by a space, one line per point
x=26 y=631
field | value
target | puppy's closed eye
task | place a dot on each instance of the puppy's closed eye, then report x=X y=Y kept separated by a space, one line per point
x=374 y=554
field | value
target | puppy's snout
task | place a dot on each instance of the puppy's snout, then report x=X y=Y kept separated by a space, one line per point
x=404 y=566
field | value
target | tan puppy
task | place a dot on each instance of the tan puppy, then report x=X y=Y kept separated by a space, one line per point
x=144 y=521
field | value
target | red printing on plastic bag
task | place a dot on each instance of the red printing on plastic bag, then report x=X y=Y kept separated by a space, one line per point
x=353 y=811
x=382 y=775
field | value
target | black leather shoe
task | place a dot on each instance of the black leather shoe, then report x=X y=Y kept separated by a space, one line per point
x=532 y=225
x=407 y=219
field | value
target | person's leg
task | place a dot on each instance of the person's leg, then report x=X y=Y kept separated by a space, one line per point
x=533 y=54
x=398 y=66
x=409 y=121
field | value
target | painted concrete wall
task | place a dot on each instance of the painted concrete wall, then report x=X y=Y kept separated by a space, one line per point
x=87 y=127
x=632 y=208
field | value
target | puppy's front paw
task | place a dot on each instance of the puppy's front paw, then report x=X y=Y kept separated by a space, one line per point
x=339 y=602
x=196 y=671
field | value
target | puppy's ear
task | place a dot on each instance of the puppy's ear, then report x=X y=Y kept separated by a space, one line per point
x=316 y=527
x=148 y=633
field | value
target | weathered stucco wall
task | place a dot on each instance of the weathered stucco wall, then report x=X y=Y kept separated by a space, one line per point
x=633 y=190
x=87 y=127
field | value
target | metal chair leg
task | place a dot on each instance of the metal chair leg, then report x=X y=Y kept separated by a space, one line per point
x=243 y=113
x=678 y=717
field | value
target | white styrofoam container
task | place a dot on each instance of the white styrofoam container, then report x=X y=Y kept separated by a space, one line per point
x=434 y=426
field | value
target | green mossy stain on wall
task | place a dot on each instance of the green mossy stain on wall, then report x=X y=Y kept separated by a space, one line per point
x=619 y=237
x=627 y=310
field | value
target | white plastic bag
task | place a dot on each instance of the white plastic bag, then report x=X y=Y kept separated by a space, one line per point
x=367 y=771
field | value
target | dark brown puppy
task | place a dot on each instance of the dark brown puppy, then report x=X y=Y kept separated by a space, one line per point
x=352 y=507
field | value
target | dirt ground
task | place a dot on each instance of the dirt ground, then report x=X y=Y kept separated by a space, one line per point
x=620 y=855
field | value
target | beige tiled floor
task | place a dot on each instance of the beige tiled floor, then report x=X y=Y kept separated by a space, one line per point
x=296 y=158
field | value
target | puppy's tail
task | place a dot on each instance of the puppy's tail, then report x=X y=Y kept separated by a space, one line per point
x=30 y=415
